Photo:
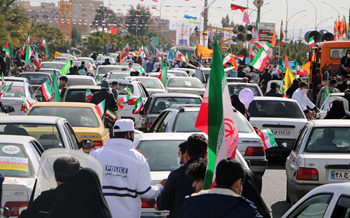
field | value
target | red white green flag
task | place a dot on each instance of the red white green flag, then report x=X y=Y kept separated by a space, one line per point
x=112 y=115
x=311 y=42
x=268 y=138
x=26 y=103
x=180 y=56
x=26 y=42
x=138 y=105
x=47 y=92
x=88 y=95
x=147 y=53
x=220 y=125
x=158 y=53
x=123 y=101
x=100 y=108
x=4 y=89
x=27 y=62
x=2 y=79
x=128 y=90
x=164 y=75
x=300 y=71
x=125 y=51
x=260 y=60
x=143 y=73
x=281 y=34
x=44 y=44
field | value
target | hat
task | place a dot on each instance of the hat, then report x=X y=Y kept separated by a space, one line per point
x=302 y=84
x=123 y=125
x=104 y=84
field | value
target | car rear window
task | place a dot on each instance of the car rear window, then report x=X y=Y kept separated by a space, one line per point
x=14 y=161
x=161 y=154
x=280 y=109
x=14 y=92
x=185 y=83
x=329 y=140
x=58 y=66
x=77 y=95
x=163 y=103
x=76 y=116
x=104 y=70
x=36 y=79
x=150 y=83
x=235 y=89
x=123 y=86
x=82 y=80
x=47 y=134
x=118 y=75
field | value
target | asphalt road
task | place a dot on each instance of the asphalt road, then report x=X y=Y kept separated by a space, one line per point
x=274 y=188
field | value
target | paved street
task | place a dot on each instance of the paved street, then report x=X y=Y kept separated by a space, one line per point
x=274 y=189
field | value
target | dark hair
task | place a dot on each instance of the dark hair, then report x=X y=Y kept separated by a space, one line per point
x=333 y=81
x=64 y=78
x=229 y=171
x=197 y=145
x=196 y=170
x=302 y=84
x=183 y=147
x=273 y=85
x=65 y=168
x=115 y=83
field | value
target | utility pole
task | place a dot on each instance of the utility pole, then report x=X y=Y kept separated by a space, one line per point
x=205 y=13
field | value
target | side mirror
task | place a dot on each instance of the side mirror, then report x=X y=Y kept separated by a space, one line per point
x=5 y=212
x=9 y=109
x=86 y=144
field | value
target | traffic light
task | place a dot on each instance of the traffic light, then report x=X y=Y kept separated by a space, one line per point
x=196 y=30
x=242 y=33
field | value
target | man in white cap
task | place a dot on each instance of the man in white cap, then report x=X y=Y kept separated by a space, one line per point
x=126 y=174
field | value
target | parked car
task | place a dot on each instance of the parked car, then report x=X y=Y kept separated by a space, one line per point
x=161 y=150
x=83 y=117
x=20 y=158
x=12 y=97
x=327 y=201
x=191 y=85
x=74 y=80
x=320 y=155
x=36 y=79
x=78 y=93
x=182 y=118
x=152 y=85
x=158 y=102
x=283 y=116
x=236 y=87
x=53 y=64
x=51 y=132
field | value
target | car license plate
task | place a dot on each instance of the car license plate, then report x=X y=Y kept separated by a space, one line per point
x=340 y=175
x=281 y=131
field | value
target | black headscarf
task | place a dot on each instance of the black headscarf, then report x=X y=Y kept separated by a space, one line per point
x=337 y=111
x=238 y=105
x=82 y=198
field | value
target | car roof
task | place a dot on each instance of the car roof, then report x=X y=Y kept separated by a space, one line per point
x=19 y=83
x=33 y=73
x=113 y=66
x=83 y=87
x=65 y=104
x=79 y=77
x=55 y=62
x=240 y=84
x=330 y=123
x=186 y=107
x=164 y=136
x=16 y=139
x=261 y=98
x=13 y=79
x=174 y=95
x=43 y=69
x=30 y=119
x=142 y=77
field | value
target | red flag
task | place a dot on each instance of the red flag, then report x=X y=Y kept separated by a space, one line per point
x=237 y=7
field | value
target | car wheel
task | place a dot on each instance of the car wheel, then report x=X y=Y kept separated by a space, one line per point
x=258 y=183
x=287 y=194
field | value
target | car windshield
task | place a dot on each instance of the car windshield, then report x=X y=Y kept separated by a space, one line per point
x=58 y=66
x=161 y=154
x=14 y=92
x=185 y=122
x=81 y=80
x=119 y=75
x=185 y=83
x=235 y=89
x=104 y=70
x=150 y=83
x=280 y=109
x=163 y=103
x=47 y=134
x=36 y=79
x=76 y=116
x=14 y=161
x=76 y=63
x=77 y=95
x=122 y=88
x=329 y=140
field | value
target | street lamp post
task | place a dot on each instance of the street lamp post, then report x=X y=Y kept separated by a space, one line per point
x=295 y=22
x=308 y=24
x=333 y=8
x=324 y=20
x=286 y=31
x=315 y=14
x=288 y=21
x=160 y=15
x=266 y=12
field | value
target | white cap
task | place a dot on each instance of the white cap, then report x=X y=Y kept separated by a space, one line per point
x=125 y=125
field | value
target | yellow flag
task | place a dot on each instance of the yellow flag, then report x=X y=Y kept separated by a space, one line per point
x=192 y=21
x=57 y=54
x=289 y=77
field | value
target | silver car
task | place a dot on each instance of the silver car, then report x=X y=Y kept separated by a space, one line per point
x=188 y=85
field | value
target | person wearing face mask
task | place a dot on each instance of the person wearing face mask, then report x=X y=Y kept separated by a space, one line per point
x=183 y=155
x=321 y=94
x=300 y=95
x=224 y=200
x=345 y=84
x=344 y=68
x=126 y=173
x=179 y=185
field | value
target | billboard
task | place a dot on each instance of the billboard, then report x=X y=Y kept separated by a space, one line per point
x=265 y=31
x=183 y=35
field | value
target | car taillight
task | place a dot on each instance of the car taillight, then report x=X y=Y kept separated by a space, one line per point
x=131 y=101
x=254 y=151
x=15 y=207
x=307 y=174
x=148 y=125
x=97 y=143
x=148 y=204
x=256 y=130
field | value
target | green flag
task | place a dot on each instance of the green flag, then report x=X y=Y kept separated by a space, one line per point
x=326 y=93
x=10 y=48
x=55 y=87
x=66 y=67
x=27 y=55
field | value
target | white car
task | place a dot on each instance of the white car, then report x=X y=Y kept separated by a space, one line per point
x=54 y=64
x=320 y=155
x=327 y=201
x=74 y=80
x=16 y=79
x=179 y=73
x=188 y=85
x=152 y=85
x=161 y=149
x=117 y=74
x=51 y=71
x=20 y=157
x=235 y=88
x=104 y=69
x=283 y=116
x=325 y=107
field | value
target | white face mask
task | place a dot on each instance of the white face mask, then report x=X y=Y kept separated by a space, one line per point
x=348 y=55
x=305 y=90
x=179 y=161
x=348 y=82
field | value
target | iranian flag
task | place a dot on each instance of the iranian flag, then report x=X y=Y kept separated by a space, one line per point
x=164 y=75
x=268 y=138
x=227 y=59
x=311 y=42
x=143 y=73
x=8 y=49
x=280 y=68
x=281 y=34
x=88 y=95
x=4 y=89
x=26 y=103
x=8 y=53
x=100 y=108
x=2 y=79
x=220 y=124
x=142 y=51
x=27 y=62
x=26 y=42
x=44 y=44
x=125 y=51
x=138 y=105
x=180 y=56
x=36 y=61
x=128 y=90
x=300 y=71
x=112 y=115
x=158 y=53
x=147 y=53
x=123 y=101
x=260 y=60
x=47 y=92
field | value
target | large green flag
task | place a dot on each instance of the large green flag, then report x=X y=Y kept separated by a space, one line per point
x=56 y=88
x=66 y=67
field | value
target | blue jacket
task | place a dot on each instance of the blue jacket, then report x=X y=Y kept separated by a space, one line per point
x=273 y=93
x=178 y=186
x=219 y=202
